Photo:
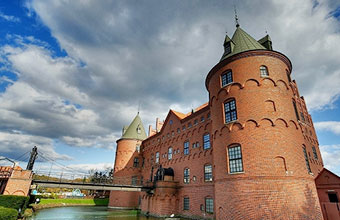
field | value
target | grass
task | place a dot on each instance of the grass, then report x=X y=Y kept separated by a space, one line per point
x=97 y=202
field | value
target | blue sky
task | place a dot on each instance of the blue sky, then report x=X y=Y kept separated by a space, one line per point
x=72 y=73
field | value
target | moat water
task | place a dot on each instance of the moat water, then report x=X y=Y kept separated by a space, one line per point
x=87 y=213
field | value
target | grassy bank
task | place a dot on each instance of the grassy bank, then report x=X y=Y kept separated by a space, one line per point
x=51 y=203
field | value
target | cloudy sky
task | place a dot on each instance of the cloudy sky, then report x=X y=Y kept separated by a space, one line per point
x=72 y=73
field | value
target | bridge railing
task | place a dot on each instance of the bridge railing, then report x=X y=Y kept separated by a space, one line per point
x=69 y=177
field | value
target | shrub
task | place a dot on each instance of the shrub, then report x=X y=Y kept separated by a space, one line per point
x=28 y=213
x=15 y=202
x=8 y=213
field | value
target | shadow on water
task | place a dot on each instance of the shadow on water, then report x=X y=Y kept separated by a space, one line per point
x=88 y=213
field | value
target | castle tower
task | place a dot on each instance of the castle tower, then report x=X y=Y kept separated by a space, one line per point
x=128 y=164
x=129 y=143
x=265 y=150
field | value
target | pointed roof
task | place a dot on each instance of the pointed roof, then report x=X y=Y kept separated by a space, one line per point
x=135 y=130
x=242 y=42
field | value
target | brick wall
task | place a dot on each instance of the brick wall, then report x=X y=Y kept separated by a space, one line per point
x=19 y=183
x=275 y=176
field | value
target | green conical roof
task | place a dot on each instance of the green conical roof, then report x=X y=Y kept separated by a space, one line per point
x=243 y=42
x=135 y=130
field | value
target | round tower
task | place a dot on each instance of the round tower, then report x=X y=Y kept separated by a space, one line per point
x=260 y=168
x=128 y=163
x=129 y=144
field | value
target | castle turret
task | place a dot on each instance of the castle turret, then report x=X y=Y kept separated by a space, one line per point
x=129 y=143
x=128 y=164
x=262 y=135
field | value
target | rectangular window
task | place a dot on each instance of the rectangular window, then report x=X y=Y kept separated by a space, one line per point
x=235 y=159
x=194 y=145
x=170 y=153
x=333 y=197
x=208 y=172
x=230 y=111
x=157 y=157
x=134 y=180
x=314 y=153
x=202 y=119
x=302 y=116
x=186 y=148
x=306 y=159
x=136 y=162
x=227 y=78
x=189 y=125
x=196 y=122
x=296 y=111
x=206 y=141
x=186 y=177
x=186 y=203
x=209 y=205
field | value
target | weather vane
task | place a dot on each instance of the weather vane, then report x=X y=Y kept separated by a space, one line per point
x=236 y=17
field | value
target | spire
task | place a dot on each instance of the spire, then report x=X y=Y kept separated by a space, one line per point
x=236 y=17
x=240 y=42
x=135 y=130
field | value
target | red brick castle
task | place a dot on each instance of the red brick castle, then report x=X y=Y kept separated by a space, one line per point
x=250 y=152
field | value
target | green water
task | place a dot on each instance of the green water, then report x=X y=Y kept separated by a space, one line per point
x=87 y=213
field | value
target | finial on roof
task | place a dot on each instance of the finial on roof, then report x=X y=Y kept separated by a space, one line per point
x=236 y=17
x=138 y=108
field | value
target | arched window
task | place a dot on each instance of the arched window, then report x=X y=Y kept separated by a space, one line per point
x=235 y=159
x=207 y=172
x=226 y=78
x=139 y=130
x=170 y=153
x=264 y=71
x=230 y=111
x=186 y=178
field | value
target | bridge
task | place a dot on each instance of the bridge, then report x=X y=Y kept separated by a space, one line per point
x=61 y=176
x=88 y=186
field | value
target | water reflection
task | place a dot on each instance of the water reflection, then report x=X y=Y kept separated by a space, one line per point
x=88 y=213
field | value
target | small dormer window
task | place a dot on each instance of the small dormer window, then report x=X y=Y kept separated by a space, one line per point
x=264 y=71
x=227 y=48
x=139 y=130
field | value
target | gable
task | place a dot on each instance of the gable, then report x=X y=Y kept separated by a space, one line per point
x=327 y=177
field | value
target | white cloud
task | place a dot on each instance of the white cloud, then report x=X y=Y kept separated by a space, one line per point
x=331 y=157
x=145 y=53
x=9 y=17
x=16 y=144
x=332 y=126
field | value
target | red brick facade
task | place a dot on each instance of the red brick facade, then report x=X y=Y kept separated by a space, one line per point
x=277 y=145
x=19 y=182
x=328 y=187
